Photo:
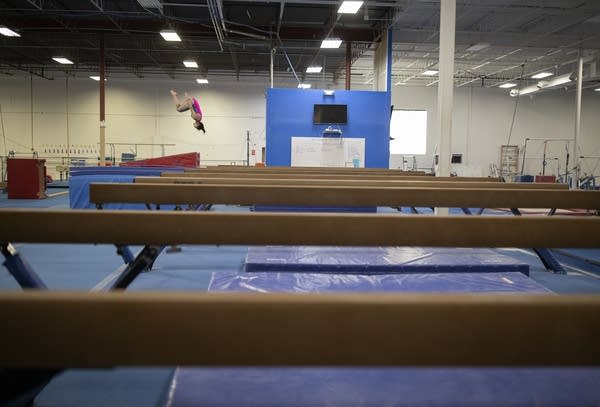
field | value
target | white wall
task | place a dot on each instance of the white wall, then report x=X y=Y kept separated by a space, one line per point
x=141 y=111
x=137 y=111
x=482 y=120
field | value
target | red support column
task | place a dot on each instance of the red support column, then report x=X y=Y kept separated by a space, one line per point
x=348 y=63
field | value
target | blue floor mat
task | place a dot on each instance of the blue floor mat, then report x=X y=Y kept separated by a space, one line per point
x=191 y=268
x=591 y=256
x=60 y=201
x=121 y=387
x=66 y=267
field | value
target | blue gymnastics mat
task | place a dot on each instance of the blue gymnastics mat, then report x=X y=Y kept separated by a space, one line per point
x=413 y=282
x=372 y=260
x=81 y=177
x=406 y=386
x=365 y=387
x=79 y=191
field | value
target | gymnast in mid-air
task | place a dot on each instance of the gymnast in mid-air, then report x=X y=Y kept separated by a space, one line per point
x=191 y=104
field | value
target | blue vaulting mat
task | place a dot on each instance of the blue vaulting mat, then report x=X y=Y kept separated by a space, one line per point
x=370 y=260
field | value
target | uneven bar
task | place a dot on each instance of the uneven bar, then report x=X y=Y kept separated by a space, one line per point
x=347 y=182
x=154 y=329
x=173 y=227
x=101 y=193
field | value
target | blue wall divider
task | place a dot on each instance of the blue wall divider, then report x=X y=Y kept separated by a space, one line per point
x=290 y=114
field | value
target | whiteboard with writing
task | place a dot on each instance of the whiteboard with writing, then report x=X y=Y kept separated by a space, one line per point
x=328 y=152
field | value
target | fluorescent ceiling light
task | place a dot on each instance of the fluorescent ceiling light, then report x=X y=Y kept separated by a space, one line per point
x=542 y=75
x=597 y=89
x=170 y=36
x=199 y=80
x=559 y=80
x=478 y=47
x=190 y=64
x=304 y=85
x=350 y=7
x=96 y=78
x=314 y=69
x=524 y=91
x=7 y=32
x=62 y=60
x=430 y=72
x=331 y=43
x=507 y=85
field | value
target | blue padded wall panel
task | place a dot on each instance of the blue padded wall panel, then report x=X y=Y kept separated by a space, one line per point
x=290 y=114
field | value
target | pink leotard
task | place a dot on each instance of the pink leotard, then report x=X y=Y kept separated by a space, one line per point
x=196 y=106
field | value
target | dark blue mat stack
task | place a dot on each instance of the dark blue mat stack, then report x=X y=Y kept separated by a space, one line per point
x=273 y=208
x=375 y=260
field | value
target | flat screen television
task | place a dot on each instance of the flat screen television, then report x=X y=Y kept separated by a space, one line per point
x=330 y=114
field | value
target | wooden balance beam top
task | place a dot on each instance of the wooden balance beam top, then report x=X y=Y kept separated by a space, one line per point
x=340 y=196
x=257 y=174
x=59 y=330
x=188 y=227
x=149 y=329
x=305 y=168
x=324 y=170
x=347 y=182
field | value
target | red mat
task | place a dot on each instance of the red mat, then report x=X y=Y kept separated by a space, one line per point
x=188 y=160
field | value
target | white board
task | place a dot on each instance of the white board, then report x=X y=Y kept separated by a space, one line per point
x=328 y=152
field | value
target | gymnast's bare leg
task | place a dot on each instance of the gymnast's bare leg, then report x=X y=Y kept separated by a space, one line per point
x=179 y=105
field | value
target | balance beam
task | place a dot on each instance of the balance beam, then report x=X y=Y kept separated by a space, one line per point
x=187 y=227
x=347 y=182
x=86 y=330
x=324 y=170
x=231 y=174
x=103 y=193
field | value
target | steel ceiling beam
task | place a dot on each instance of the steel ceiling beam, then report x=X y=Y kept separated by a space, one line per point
x=99 y=4
x=36 y=3
x=332 y=3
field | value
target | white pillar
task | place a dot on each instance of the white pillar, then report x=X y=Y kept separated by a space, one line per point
x=575 y=183
x=446 y=84
x=445 y=88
